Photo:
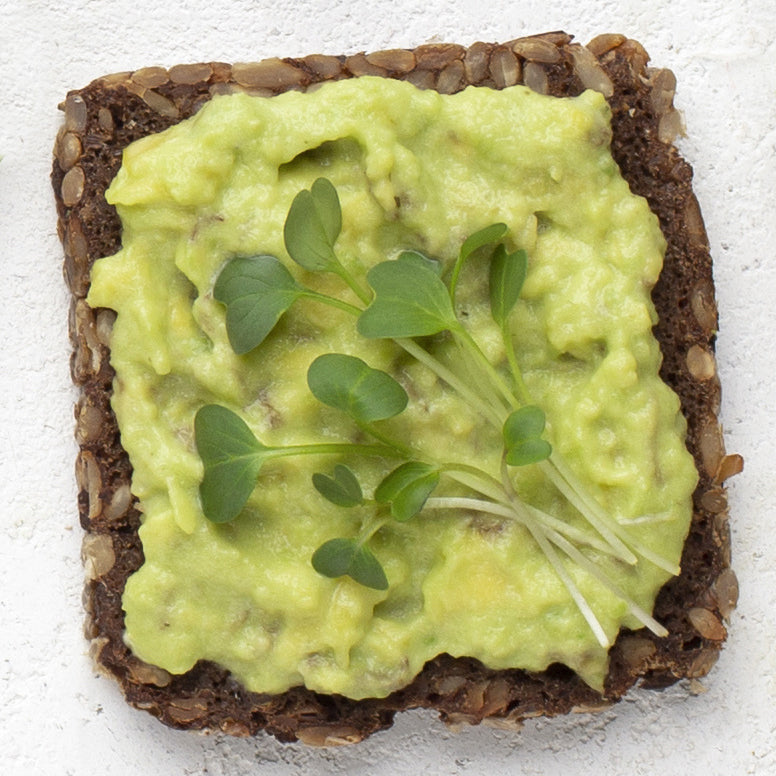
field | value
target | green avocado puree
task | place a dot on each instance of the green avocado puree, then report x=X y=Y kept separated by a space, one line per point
x=413 y=169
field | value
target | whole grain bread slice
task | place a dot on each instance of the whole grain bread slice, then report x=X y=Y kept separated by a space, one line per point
x=103 y=118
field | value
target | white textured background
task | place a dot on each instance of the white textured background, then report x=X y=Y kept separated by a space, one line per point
x=56 y=717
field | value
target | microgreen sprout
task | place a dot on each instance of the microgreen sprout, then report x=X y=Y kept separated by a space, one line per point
x=407 y=298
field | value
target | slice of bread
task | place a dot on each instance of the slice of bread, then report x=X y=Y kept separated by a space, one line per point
x=101 y=119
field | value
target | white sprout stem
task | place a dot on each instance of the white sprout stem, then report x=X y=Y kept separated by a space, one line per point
x=509 y=488
x=471 y=504
x=554 y=536
x=449 y=377
x=573 y=533
x=544 y=545
x=482 y=483
x=495 y=378
x=501 y=506
x=591 y=512
x=517 y=376
x=579 y=599
x=644 y=617
x=481 y=382
x=594 y=509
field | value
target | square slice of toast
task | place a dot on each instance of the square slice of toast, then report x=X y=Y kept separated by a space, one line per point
x=104 y=117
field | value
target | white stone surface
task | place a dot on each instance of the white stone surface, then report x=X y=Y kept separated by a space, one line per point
x=56 y=717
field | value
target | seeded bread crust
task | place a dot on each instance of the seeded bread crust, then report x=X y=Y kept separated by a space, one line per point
x=103 y=118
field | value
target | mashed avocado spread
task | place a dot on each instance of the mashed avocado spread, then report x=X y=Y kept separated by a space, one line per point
x=414 y=170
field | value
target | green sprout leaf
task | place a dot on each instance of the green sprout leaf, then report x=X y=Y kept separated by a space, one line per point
x=410 y=300
x=472 y=243
x=523 y=437
x=422 y=260
x=342 y=488
x=340 y=557
x=256 y=290
x=232 y=457
x=312 y=227
x=507 y=275
x=407 y=488
x=481 y=238
x=351 y=385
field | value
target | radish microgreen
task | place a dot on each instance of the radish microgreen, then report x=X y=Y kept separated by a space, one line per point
x=350 y=557
x=349 y=384
x=407 y=298
x=341 y=488
x=410 y=300
x=407 y=488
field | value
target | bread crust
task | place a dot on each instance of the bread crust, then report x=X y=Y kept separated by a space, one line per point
x=103 y=118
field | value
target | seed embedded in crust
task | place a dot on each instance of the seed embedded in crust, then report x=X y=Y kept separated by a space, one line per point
x=186 y=710
x=435 y=56
x=119 y=503
x=504 y=68
x=725 y=592
x=423 y=79
x=450 y=79
x=144 y=673
x=90 y=628
x=95 y=648
x=190 y=74
x=104 y=325
x=635 y=55
x=76 y=257
x=325 y=735
x=449 y=685
x=98 y=555
x=269 y=74
x=359 y=65
x=602 y=44
x=73 y=185
x=537 y=50
x=589 y=71
x=75 y=114
x=223 y=88
x=707 y=624
x=475 y=62
x=68 y=150
x=714 y=500
x=161 y=104
x=637 y=650
x=703 y=663
x=535 y=77
x=89 y=423
x=694 y=221
x=711 y=446
x=663 y=89
x=150 y=77
x=703 y=307
x=105 y=121
x=670 y=127
x=87 y=359
x=700 y=363
x=324 y=67
x=89 y=480
x=497 y=697
x=728 y=467
x=393 y=60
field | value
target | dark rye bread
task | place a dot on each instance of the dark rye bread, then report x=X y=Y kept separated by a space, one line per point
x=103 y=118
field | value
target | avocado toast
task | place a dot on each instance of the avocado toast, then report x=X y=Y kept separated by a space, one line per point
x=691 y=606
